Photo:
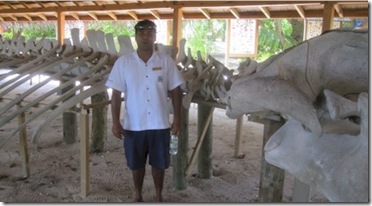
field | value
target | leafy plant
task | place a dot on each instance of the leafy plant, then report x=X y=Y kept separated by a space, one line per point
x=200 y=35
x=31 y=29
x=274 y=37
x=116 y=28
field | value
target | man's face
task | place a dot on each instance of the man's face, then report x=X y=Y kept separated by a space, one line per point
x=145 y=37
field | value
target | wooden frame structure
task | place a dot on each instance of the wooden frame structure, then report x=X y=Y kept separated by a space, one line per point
x=62 y=11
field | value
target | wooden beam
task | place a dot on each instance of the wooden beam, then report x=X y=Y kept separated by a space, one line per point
x=13 y=17
x=205 y=136
x=238 y=136
x=339 y=10
x=61 y=27
x=328 y=13
x=96 y=3
x=25 y=5
x=112 y=15
x=300 y=11
x=265 y=11
x=205 y=127
x=179 y=162
x=59 y=4
x=205 y=13
x=155 y=14
x=235 y=13
x=75 y=15
x=92 y=15
x=27 y=17
x=228 y=42
x=84 y=152
x=48 y=7
x=23 y=144
x=75 y=3
x=133 y=15
x=40 y=4
x=272 y=177
x=177 y=27
x=42 y=16
x=10 y=5
x=156 y=5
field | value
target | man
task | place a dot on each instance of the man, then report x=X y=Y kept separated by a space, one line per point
x=145 y=77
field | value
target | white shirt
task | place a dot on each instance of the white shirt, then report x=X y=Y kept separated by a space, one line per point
x=146 y=87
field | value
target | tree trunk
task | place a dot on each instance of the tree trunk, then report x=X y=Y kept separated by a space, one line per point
x=297 y=29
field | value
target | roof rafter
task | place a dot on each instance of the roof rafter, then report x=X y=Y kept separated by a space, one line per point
x=265 y=11
x=155 y=13
x=163 y=9
x=339 y=10
x=92 y=15
x=133 y=15
x=300 y=11
x=27 y=17
x=235 y=13
x=205 y=13
x=75 y=15
x=151 y=5
x=112 y=15
x=43 y=17
x=13 y=17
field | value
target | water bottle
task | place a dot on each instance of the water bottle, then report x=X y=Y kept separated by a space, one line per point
x=173 y=147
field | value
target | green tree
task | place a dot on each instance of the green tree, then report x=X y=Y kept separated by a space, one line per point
x=31 y=29
x=116 y=28
x=274 y=37
x=200 y=35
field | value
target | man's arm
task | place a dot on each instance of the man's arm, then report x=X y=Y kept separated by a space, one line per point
x=117 y=128
x=176 y=96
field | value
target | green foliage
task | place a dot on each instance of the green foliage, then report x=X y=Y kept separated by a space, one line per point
x=274 y=37
x=116 y=28
x=31 y=29
x=7 y=35
x=200 y=35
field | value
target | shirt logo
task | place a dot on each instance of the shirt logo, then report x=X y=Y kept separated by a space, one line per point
x=160 y=78
x=156 y=68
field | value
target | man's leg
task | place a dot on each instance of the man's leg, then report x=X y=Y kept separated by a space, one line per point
x=138 y=176
x=158 y=177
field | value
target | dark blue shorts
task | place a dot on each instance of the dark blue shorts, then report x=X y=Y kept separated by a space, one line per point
x=154 y=143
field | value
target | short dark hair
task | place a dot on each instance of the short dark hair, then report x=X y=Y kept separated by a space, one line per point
x=145 y=24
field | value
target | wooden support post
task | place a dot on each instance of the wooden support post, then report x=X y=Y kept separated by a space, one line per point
x=205 y=128
x=180 y=160
x=84 y=152
x=238 y=136
x=272 y=177
x=177 y=27
x=61 y=26
x=301 y=191
x=69 y=123
x=99 y=123
x=328 y=14
x=23 y=144
x=198 y=143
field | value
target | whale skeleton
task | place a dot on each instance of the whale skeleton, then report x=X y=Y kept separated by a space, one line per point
x=88 y=61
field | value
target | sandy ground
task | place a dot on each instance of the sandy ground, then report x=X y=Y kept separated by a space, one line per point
x=55 y=167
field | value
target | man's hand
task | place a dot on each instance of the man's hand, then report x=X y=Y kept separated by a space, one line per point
x=176 y=127
x=118 y=130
